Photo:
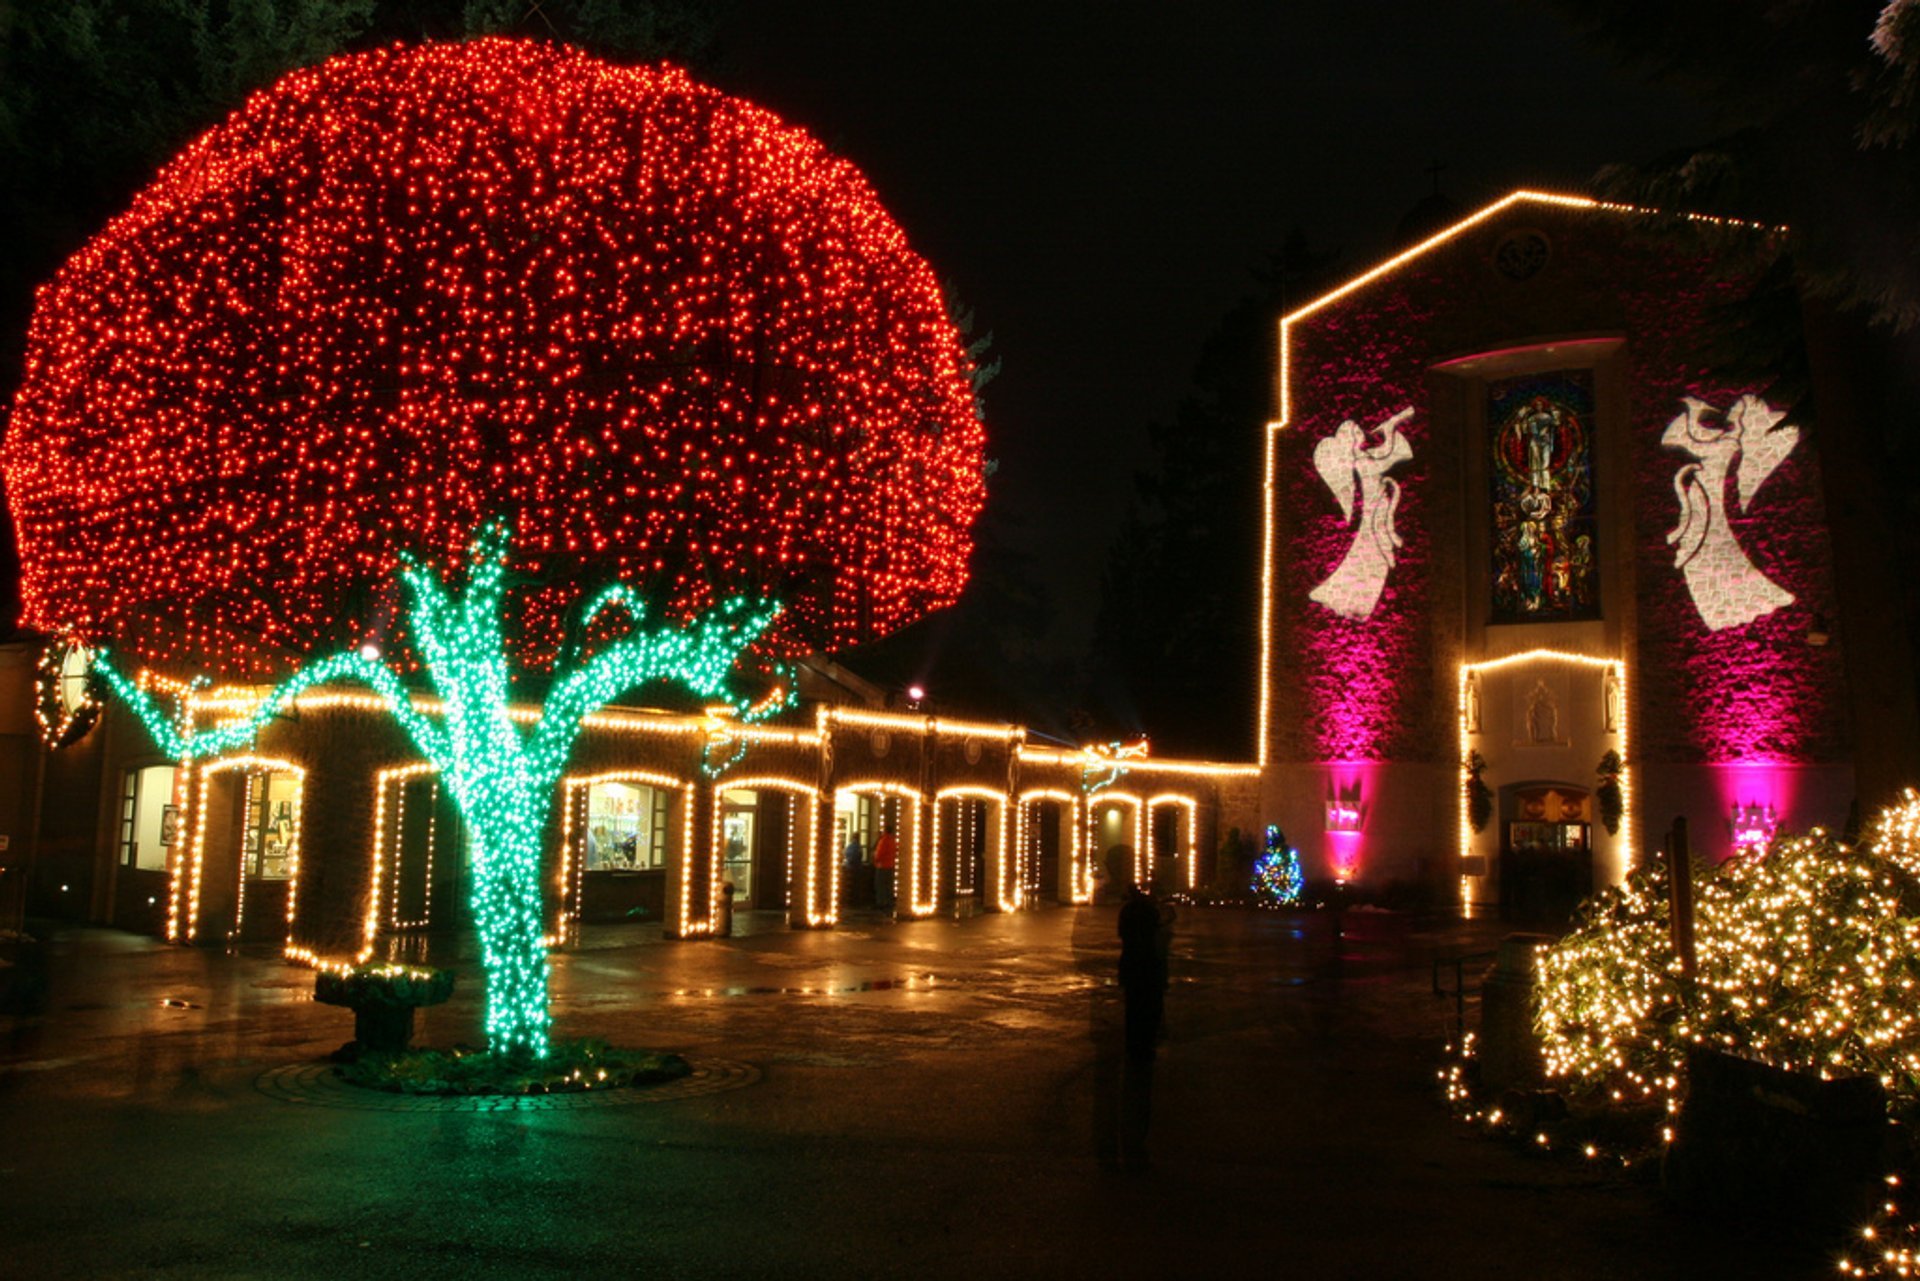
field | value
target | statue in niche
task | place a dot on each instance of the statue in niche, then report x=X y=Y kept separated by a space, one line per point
x=1726 y=588
x=1543 y=716
x=1352 y=468
x=1472 y=710
x=1615 y=708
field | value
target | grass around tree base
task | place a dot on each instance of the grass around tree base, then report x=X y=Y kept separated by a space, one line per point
x=571 y=1066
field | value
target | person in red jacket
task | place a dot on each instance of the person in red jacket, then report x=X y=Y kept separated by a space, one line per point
x=884 y=851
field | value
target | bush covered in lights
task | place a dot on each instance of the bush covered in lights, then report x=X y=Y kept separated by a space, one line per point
x=1808 y=958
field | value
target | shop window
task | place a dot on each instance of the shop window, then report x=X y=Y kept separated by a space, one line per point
x=149 y=819
x=739 y=816
x=272 y=817
x=627 y=827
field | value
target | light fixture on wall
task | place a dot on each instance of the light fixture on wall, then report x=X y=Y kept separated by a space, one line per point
x=1344 y=810
x=1818 y=634
x=1753 y=825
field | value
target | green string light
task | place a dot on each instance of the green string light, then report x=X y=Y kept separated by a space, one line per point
x=503 y=776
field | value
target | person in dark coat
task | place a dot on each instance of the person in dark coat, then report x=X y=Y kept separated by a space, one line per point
x=1143 y=976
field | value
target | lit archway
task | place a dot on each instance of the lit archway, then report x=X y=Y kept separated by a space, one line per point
x=917 y=891
x=1073 y=870
x=1003 y=888
x=190 y=881
x=812 y=892
x=1186 y=848
x=1115 y=821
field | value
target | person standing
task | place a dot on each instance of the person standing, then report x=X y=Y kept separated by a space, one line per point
x=851 y=860
x=1143 y=975
x=1143 y=980
x=884 y=853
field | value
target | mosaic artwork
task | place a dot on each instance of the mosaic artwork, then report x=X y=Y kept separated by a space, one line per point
x=1751 y=442
x=1356 y=472
x=1546 y=562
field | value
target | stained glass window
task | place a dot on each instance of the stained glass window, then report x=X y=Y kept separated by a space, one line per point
x=1546 y=542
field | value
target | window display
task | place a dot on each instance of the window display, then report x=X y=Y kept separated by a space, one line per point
x=272 y=825
x=738 y=818
x=626 y=827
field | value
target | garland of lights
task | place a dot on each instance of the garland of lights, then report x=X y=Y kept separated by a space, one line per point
x=1105 y=766
x=502 y=776
x=1277 y=876
x=405 y=291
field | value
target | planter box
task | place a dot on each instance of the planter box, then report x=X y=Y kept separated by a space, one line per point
x=1781 y=1148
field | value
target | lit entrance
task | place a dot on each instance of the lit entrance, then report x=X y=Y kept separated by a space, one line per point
x=1051 y=864
x=1546 y=851
x=245 y=853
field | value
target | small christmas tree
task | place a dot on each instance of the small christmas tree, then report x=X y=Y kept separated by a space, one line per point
x=1277 y=878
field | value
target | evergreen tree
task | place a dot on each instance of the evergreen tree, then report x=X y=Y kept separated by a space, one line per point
x=1818 y=103
x=1175 y=645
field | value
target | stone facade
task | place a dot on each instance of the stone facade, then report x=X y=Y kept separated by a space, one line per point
x=1710 y=708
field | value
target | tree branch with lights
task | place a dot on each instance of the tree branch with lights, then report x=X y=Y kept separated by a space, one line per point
x=501 y=774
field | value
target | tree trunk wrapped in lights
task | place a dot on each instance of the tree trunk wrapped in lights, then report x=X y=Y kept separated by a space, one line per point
x=502 y=775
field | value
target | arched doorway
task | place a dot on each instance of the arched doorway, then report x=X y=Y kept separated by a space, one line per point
x=240 y=877
x=1116 y=841
x=896 y=809
x=1174 y=822
x=1053 y=860
x=1546 y=850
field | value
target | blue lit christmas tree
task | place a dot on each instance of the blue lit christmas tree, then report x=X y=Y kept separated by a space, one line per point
x=1277 y=879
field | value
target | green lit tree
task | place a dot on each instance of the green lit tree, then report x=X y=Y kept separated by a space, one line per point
x=501 y=773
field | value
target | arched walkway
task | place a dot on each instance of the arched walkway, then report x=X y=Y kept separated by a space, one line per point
x=917 y=871
x=243 y=827
x=751 y=851
x=1050 y=841
x=970 y=818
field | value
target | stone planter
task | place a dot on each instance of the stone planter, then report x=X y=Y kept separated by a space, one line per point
x=383 y=1000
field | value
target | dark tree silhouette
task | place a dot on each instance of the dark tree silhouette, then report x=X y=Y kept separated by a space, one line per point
x=1818 y=104
x=1175 y=645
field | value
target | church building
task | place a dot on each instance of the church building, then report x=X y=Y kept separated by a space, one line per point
x=1542 y=568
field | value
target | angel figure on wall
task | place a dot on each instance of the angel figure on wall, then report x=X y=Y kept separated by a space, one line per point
x=1726 y=588
x=1350 y=466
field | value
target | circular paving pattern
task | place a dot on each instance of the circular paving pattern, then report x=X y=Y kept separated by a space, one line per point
x=317 y=1084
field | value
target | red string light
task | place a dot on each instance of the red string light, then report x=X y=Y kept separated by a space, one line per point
x=668 y=336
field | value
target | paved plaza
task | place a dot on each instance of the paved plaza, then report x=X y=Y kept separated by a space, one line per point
x=933 y=1099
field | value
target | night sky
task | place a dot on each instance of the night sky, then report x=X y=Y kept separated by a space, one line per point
x=1098 y=181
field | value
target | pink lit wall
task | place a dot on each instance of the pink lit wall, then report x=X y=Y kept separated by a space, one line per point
x=1747 y=709
x=1353 y=680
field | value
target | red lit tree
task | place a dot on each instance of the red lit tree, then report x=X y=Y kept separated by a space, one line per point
x=671 y=340
x=591 y=329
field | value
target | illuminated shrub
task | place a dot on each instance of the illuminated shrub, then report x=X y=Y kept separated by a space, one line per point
x=1808 y=959
x=671 y=339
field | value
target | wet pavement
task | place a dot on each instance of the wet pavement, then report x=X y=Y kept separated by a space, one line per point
x=935 y=1099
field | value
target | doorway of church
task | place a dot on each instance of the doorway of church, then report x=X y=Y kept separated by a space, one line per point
x=1546 y=851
